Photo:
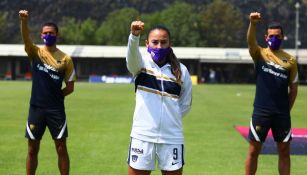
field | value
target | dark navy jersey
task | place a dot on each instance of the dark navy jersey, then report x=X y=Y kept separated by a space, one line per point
x=275 y=71
x=48 y=72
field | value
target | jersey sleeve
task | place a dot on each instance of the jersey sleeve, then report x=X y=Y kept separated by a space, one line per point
x=70 y=74
x=31 y=50
x=293 y=72
x=254 y=52
x=134 y=59
x=185 y=100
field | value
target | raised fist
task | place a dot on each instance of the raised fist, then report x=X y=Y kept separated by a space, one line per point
x=137 y=27
x=23 y=14
x=255 y=17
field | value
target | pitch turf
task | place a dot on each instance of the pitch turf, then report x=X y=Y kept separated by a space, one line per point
x=99 y=122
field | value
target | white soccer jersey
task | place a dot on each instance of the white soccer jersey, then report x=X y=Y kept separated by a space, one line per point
x=160 y=101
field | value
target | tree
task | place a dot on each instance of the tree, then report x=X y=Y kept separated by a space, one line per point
x=73 y=31
x=3 y=26
x=116 y=28
x=87 y=32
x=182 y=21
x=221 y=28
x=222 y=25
x=69 y=31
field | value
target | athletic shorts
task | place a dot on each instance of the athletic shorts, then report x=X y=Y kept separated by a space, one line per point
x=143 y=155
x=262 y=121
x=39 y=118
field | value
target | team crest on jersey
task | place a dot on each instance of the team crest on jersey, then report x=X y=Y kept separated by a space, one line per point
x=134 y=158
x=32 y=126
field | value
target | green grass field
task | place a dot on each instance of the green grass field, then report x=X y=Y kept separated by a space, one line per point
x=99 y=123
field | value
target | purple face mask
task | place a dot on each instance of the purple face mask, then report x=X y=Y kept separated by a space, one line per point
x=159 y=54
x=49 y=40
x=274 y=42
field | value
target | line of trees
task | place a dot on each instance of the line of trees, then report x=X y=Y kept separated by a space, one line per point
x=197 y=23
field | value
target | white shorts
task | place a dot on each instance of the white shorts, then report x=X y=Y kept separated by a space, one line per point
x=143 y=155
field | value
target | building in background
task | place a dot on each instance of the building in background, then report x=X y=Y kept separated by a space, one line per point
x=230 y=65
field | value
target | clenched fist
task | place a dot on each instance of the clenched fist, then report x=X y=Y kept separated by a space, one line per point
x=137 y=27
x=255 y=17
x=23 y=14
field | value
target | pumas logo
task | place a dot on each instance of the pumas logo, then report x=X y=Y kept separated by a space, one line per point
x=258 y=128
x=137 y=150
x=134 y=158
x=32 y=126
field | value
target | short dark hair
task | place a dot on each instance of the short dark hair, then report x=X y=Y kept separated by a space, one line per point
x=51 y=24
x=275 y=25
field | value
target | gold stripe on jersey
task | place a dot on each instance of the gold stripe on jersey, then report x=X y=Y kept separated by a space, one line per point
x=157 y=92
x=150 y=72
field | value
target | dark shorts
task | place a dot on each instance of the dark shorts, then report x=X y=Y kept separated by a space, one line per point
x=264 y=120
x=39 y=118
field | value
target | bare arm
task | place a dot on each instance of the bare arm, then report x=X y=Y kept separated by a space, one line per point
x=254 y=17
x=23 y=15
x=69 y=88
x=292 y=94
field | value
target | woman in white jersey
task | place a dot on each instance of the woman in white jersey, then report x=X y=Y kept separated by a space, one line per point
x=163 y=96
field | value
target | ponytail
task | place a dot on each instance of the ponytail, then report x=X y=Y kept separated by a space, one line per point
x=175 y=66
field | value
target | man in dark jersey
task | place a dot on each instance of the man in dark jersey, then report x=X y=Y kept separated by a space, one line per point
x=276 y=90
x=50 y=67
